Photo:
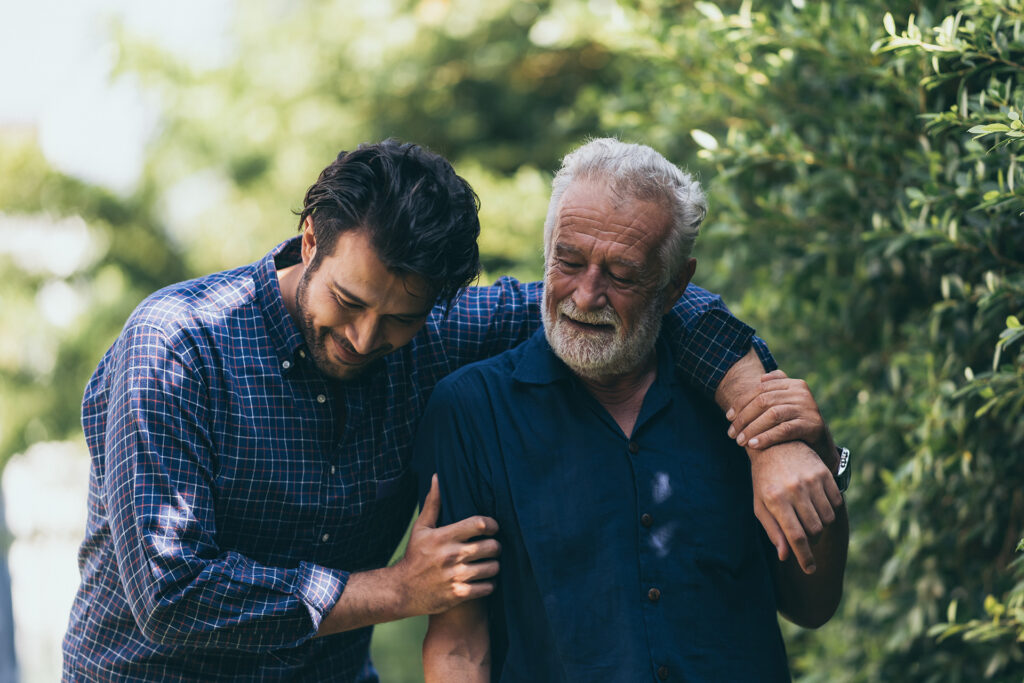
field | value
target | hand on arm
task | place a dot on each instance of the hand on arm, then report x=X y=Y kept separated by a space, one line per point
x=782 y=410
x=441 y=567
x=457 y=646
x=795 y=495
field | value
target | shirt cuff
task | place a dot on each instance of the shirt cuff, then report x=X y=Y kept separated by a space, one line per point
x=767 y=359
x=714 y=344
x=319 y=588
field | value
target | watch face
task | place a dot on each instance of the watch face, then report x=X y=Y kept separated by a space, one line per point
x=844 y=460
x=842 y=477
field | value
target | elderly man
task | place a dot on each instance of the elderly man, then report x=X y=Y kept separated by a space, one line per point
x=630 y=550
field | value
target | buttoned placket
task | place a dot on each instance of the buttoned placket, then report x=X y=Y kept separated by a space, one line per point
x=325 y=407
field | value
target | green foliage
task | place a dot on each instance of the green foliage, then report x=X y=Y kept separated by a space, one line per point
x=110 y=253
x=866 y=217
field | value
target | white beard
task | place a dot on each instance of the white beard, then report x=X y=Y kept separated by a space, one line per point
x=597 y=354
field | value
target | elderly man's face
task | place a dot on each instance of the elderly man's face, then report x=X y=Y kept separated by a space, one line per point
x=603 y=302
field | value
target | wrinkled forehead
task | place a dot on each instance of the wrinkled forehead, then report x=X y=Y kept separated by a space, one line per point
x=595 y=214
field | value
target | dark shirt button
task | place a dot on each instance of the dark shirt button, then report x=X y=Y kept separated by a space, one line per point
x=634 y=448
x=663 y=673
x=646 y=520
x=654 y=595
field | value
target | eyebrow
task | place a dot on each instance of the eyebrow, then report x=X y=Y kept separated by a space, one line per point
x=359 y=302
x=562 y=248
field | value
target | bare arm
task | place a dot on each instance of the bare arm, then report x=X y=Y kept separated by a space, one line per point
x=795 y=495
x=457 y=647
x=441 y=568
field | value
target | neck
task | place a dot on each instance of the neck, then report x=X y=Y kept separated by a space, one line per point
x=288 y=280
x=623 y=395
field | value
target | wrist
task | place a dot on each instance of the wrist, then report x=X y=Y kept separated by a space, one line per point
x=826 y=449
x=396 y=591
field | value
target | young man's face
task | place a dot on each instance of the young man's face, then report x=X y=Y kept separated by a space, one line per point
x=603 y=295
x=352 y=309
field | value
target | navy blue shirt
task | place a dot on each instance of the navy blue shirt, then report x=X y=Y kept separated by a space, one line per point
x=623 y=559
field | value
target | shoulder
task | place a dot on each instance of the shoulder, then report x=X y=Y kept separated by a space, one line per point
x=205 y=304
x=474 y=382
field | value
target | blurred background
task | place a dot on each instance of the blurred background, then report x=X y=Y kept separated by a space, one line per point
x=862 y=165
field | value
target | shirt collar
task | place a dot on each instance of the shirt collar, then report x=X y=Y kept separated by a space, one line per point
x=538 y=363
x=284 y=333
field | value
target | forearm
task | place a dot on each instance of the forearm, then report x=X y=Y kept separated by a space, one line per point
x=810 y=600
x=457 y=646
x=370 y=597
x=215 y=607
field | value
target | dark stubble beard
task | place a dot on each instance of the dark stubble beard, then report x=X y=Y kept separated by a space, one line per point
x=316 y=340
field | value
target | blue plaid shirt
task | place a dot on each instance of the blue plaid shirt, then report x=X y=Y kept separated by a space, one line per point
x=233 y=487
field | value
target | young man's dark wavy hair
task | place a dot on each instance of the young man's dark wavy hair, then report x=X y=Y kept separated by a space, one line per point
x=420 y=216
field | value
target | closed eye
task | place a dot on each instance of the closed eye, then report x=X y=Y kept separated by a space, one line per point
x=344 y=303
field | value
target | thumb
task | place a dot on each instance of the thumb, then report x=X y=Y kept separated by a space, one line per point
x=431 y=506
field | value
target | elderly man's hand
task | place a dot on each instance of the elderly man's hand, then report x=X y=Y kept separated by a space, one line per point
x=794 y=498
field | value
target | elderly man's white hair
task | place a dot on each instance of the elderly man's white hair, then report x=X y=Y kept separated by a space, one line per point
x=638 y=172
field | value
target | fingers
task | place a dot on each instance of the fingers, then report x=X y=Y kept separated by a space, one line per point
x=772 y=529
x=431 y=506
x=471 y=527
x=481 y=550
x=797 y=538
x=785 y=412
x=796 y=429
x=774 y=374
x=470 y=591
x=480 y=571
x=834 y=495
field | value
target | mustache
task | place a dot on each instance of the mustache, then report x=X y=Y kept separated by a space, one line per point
x=605 y=316
x=344 y=343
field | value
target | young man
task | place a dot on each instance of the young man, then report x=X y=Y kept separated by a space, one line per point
x=250 y=434
x=630 y=547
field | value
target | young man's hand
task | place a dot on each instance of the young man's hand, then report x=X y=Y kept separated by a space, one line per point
x=782 y=410
x=444 y=566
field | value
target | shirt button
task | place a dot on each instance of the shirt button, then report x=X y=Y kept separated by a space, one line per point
x=646 y=520
x=654 y=595
x=302 y=354
x=634 y=447
x=320 y=398
x=333 y=469
x=325 y=538
x=286 y=364
x=663 y=673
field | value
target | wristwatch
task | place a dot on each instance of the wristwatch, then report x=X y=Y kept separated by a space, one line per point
x=842 y=476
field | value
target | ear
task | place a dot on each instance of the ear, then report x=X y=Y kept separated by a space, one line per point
x=675 y=288
x=308 y=241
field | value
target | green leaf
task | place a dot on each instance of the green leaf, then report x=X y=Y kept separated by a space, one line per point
x=990 y=128
x=889 y=23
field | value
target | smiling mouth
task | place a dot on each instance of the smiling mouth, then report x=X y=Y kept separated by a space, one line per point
x=593 y=327
x=349 y=357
